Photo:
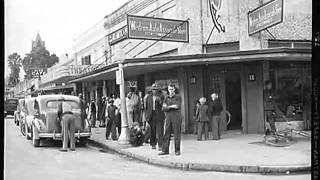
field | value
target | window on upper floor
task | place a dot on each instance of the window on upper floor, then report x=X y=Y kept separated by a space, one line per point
x=86 y=60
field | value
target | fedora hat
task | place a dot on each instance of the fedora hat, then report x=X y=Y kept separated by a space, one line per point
x=154 y=87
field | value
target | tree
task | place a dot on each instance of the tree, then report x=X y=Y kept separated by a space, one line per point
x=14 y=62
x=38 y=58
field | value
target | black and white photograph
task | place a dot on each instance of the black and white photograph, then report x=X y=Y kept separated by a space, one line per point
x=159 y=90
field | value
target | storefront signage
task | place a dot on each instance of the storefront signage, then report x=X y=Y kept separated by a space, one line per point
x=35 y=73
x=118 y=77
x=79 y=69
x=265 y=16
x=215 y=6
x=118 y=35
x=140 y=27
x=132 y=84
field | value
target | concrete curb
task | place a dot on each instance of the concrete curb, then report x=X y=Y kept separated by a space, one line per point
x=207 y=167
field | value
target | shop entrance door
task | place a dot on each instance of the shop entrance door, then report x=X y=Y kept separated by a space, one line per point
x=233 y=99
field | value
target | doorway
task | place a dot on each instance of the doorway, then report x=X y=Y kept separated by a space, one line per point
x=233 y=99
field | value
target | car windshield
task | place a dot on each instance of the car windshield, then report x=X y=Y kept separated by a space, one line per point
x=55 y=103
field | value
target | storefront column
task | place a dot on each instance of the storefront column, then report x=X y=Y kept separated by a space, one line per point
x=124 y=136
x=182 y=77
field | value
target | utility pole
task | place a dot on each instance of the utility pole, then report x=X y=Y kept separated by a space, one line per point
x=124 y=136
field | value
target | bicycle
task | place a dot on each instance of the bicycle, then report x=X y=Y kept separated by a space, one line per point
x=284 y=138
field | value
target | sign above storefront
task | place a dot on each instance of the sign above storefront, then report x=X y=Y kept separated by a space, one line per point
x=150 y=28
x=37 y=72
x=265 y=16
x=80 y=69
x=118 y=35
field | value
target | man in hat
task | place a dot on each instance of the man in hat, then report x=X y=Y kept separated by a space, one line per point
x=154 y=117
x=111 y=121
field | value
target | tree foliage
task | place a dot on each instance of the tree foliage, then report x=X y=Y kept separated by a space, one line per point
x=38 y=58
x=14 y=62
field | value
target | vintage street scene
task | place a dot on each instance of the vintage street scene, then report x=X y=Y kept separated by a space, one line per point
x=157 y=89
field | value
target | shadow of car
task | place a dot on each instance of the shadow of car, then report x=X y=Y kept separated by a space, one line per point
x=41 y=122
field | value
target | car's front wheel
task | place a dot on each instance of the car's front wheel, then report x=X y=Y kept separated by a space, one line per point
x=22 y=128
x=35 y=142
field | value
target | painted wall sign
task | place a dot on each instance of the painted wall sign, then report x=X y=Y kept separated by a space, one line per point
x=79 y=69
x=265 y=16
x=215 y=6
x=140 y=27
x=118 y=35
x=35 y=73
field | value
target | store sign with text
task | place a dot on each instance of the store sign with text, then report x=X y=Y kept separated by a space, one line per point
x=118 y=35
x=140 y=27
x=79 y=69
x=37 y=72
x=265 y=16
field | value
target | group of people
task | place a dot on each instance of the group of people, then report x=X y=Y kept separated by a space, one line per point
x=209 y=112
x=156 y=119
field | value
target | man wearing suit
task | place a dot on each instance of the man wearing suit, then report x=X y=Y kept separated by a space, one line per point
x=154 y=117
x=67 y=121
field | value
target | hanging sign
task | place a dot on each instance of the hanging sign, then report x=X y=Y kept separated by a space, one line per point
x=35 y=73
x=140 y=27
x=118 y=35
x=265 y=16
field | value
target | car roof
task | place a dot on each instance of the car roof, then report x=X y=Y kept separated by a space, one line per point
x=56 y=97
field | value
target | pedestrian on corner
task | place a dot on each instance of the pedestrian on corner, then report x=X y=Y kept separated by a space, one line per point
x=154 y=117
x=93 y=113
x=172 y=107
x=215 y=109
x=111 y=121
x=195 y=117
x=202 y=115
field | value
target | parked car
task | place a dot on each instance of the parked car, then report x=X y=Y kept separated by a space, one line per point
x=41 y=118
x=17 y=113
x=10 y=106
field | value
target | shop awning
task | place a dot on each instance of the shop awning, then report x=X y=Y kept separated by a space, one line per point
x=68 y=86
x=138 y=66
x=104 y=73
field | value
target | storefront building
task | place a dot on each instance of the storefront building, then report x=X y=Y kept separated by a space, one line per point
x=221 y=54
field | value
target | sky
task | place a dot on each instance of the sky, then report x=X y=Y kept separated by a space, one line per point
x=57 y=21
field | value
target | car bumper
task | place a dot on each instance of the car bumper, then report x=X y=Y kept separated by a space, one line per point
x=59 y=135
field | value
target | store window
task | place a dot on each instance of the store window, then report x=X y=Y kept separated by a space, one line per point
x=292 y=85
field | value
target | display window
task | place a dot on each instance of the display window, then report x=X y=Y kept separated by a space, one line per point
x=292 y=87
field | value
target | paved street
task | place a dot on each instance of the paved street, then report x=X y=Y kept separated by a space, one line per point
x=23 y=161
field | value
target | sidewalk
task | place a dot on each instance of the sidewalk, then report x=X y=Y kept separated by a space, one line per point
x=235 y=152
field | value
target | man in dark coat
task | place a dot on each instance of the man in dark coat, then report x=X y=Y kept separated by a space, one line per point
x=67 y=120
x=154 y=117
x=111 y=121
x=271 y=108
x=83 y=110
x=215 y=109
x=172 y=107
x=93 y=111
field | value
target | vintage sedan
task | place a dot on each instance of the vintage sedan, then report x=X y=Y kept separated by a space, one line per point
x=41 y=118
x=10 y=106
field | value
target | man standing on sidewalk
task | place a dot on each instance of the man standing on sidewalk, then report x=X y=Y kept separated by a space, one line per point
x=67 y=121
x=171 y=106
x=154 y=117
x=215 y=108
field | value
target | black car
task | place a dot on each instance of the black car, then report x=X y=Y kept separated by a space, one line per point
x=10 y=106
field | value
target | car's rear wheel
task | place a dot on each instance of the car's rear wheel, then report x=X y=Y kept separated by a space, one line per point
x=35 y=142
x=27 y=132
